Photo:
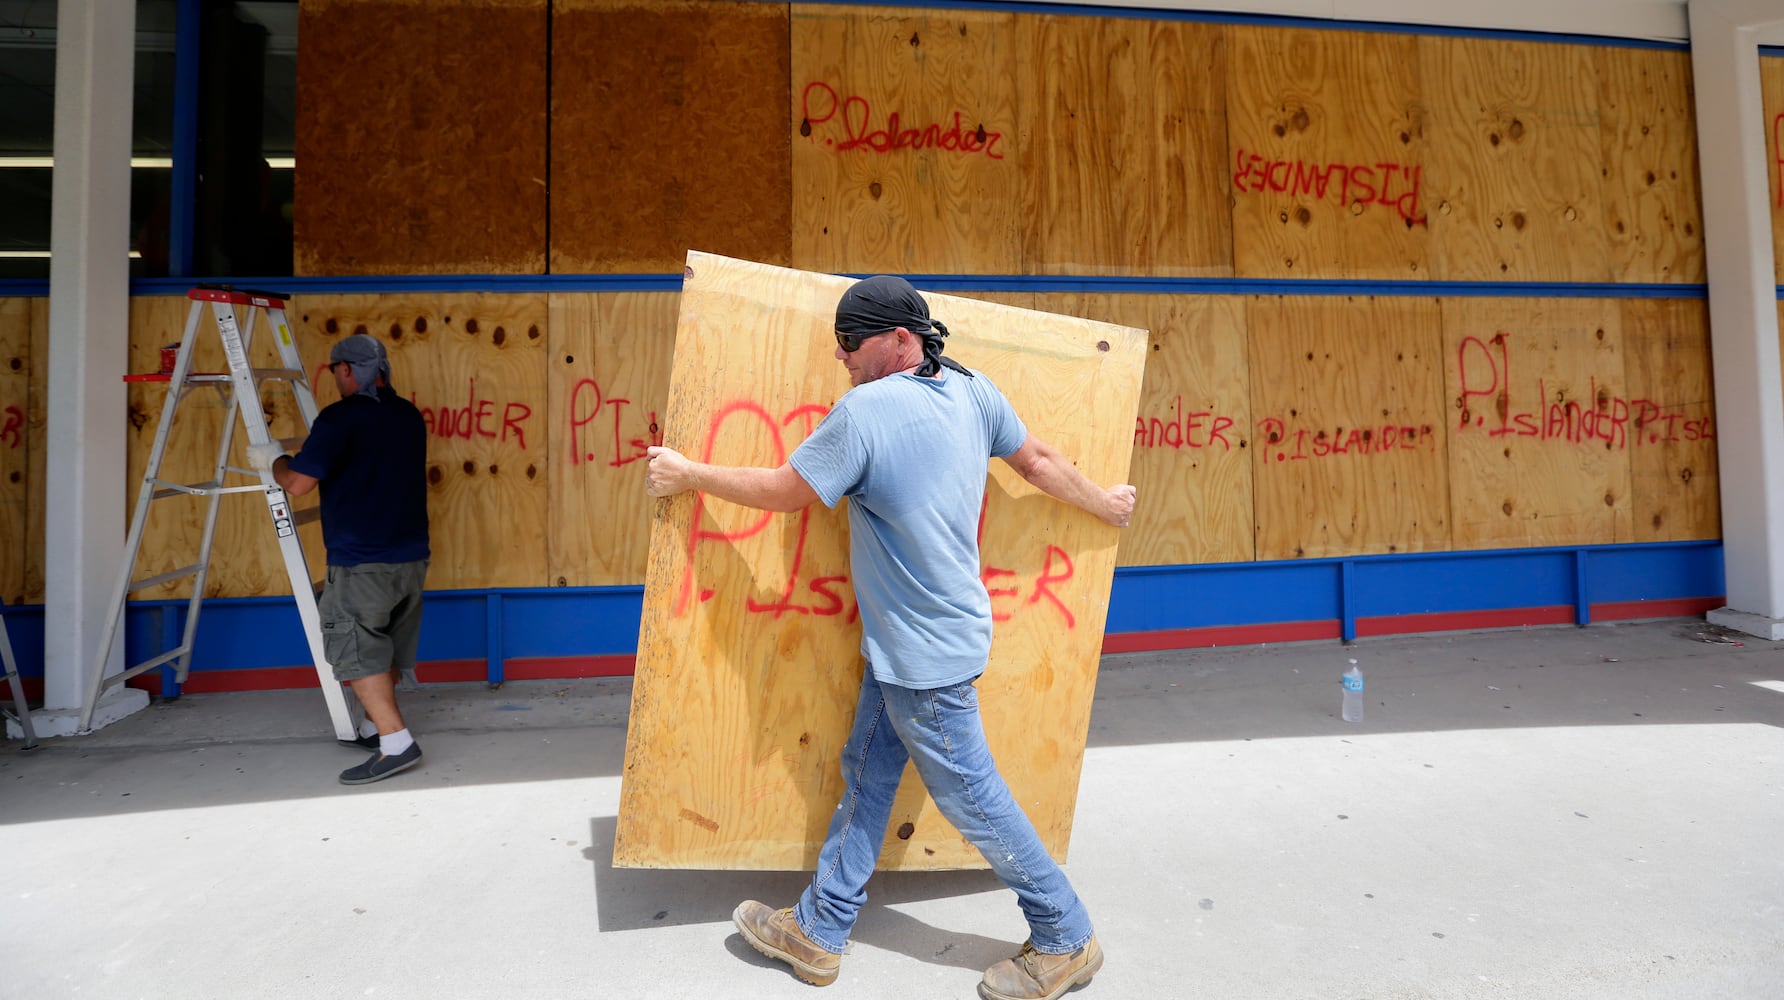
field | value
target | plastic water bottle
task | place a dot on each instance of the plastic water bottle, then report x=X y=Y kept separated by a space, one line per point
x=1353 y=694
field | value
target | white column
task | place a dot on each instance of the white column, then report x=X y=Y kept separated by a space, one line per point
x=1731 y=139
x=89 y=340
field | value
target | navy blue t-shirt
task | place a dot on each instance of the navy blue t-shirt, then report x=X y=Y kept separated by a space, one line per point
x=370 y=457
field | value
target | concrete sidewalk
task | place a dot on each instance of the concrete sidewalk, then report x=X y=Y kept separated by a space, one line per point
x=1568 y=813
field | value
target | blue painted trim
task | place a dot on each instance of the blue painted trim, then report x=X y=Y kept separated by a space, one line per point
x=1273 y=20
x=426 y=283
x=183 y=199
x=552 y=622
x=24 y=288
x=1110 y=284
x=1582 y=600
x=1771 y=51
x=493 y=621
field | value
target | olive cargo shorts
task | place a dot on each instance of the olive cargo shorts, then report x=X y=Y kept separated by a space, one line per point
x=371 y=617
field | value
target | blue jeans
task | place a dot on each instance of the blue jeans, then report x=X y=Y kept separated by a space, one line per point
x=940 y=730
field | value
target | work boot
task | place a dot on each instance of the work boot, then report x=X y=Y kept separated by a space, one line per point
x=776 y=934
x=1036 y=975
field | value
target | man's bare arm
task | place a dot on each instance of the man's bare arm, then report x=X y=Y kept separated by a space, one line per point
x=1047 y=469
x=781 y=489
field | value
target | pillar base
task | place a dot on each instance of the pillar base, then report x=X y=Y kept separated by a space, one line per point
x=115 y=704
x=1747 y=622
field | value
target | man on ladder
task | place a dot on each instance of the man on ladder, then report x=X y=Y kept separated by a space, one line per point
x=368 y=452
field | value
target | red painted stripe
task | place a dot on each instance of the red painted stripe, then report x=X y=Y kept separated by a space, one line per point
x=429 y=672
x=1220 y=635
x=556 y=667
x=1677 y=607
x=1459 y=621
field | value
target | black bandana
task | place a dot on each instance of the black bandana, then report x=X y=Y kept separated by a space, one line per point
x=882 y=302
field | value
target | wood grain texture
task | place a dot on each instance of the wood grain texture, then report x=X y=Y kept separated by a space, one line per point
x=476 y=366
x=1123 y=147
x=1652 y=202
x=1672 y=427
x=1327 y=131
x=609 y=386
x=668 y=130
x=37 y=424
x=1192 y=434
x=1771 y=91
x=903 y=139
x=1516 y=173
x=16 y=484
x=741 y=700
x=421 y=135
x=1538 y=410
x=1347 y=395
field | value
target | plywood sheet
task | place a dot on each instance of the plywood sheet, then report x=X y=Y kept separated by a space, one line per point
x=15 y=446
x=609 y=383
x=1193 y=432
x=1653 y=209
x=1123 y=151
x=421 y=137
x=245 y=554
x=1672 y=430
x=1771 y=90
x=668 y=130
x=37 y=424
x=904 y=144
x=1540 y=416
x=1516 y=161
x=1347 y=397
x=748 y=662
x=476 y=366
x=1327 y=131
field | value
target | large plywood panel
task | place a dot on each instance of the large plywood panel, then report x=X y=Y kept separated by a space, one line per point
x=1653 y=210
x=904 y=141
x=476 y=366
x=1347 y=394
x=1516 y=185
x=422 y=137
x=668 y=130
x=1771 y=89
x=1123 y=152
x=748 y=660
x=1672 y=430
x=1539 y=420
x=15 y=446
x=245 y=554
x=37 y=424
x=1327 y=130
x=609 y=383
x=1193 y=432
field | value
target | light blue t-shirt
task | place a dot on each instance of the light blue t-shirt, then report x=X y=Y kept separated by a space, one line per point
x=911 y=455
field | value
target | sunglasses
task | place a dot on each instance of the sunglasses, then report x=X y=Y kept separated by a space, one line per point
x=851 y=342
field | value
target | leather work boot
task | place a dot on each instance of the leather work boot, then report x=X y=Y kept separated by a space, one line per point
x=1035 y=975
x=776 y=934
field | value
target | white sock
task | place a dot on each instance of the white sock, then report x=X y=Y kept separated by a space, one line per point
x=366 y=728
x=395 y=744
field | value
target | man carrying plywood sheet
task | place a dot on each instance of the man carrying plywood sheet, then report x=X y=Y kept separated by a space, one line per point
x=908 y=446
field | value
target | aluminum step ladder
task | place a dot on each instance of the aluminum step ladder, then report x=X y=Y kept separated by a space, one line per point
x=18 y=689
x=240 y=387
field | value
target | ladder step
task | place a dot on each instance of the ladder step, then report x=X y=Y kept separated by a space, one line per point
x=274 y=374
x=204 y=489
x=147 y=665
x=160 y=578
x=183 y=489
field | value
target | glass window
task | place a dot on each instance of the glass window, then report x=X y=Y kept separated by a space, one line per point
x=27 y=119
x=234 y=217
